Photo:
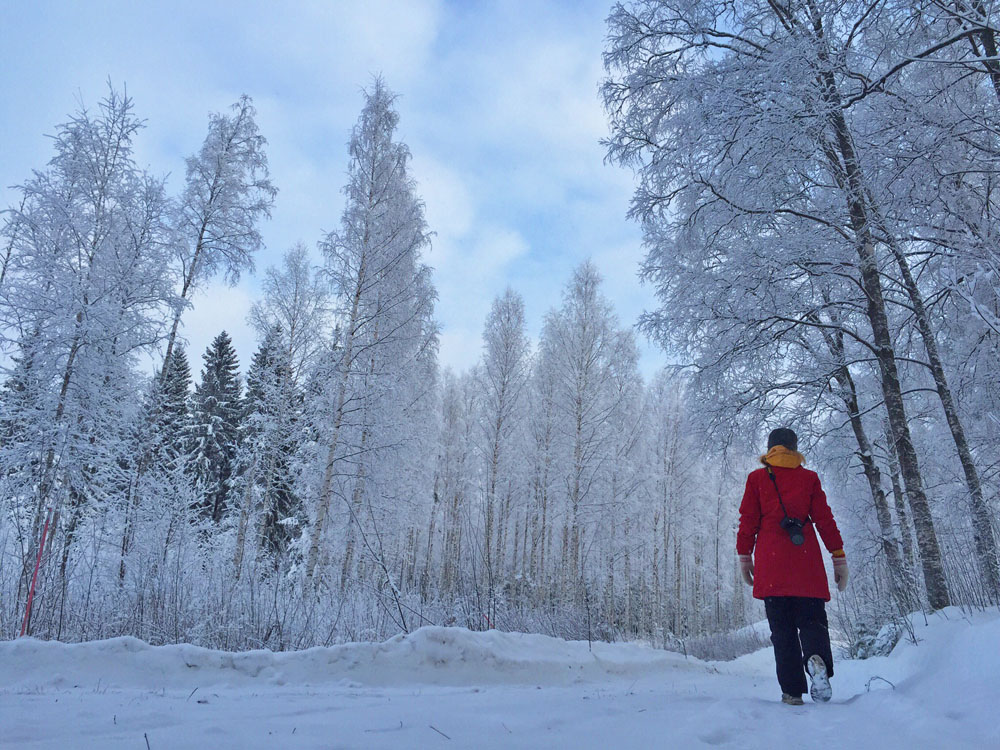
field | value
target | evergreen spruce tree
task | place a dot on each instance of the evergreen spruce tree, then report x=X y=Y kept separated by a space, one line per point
x=214 y=429
x=173 y=405
x=268 y=443
x=265 y=369
x=17 y=394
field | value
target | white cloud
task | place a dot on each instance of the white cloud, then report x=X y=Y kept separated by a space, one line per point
x=448 y=202
x=350 y=40
x=461 y=348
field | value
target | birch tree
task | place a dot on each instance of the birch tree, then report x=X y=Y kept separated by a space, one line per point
x=583 y=347
x=87 y=291
x=738 y=110
x=296 y=300
x=502 y=382
x=383 y=301
x=227 y=192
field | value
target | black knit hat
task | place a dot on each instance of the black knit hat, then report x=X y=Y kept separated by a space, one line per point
x=783 y=436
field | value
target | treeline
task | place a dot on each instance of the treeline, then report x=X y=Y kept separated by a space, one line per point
x=345 y=488
x=816 y=191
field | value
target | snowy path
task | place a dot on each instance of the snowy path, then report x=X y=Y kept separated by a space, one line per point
x=450 y=688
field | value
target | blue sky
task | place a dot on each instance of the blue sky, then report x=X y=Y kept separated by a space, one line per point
x=498 y=103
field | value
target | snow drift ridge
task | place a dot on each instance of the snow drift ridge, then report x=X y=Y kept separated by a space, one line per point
x=430 y=655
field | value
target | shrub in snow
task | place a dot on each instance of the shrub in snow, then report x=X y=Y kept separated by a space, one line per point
x=875 y=641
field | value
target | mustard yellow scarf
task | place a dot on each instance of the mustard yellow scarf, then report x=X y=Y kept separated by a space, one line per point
x=779 y=455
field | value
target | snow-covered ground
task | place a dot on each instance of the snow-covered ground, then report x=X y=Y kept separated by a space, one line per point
x=451 y=688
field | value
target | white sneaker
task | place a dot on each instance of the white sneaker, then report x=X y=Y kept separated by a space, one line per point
x=820 y=689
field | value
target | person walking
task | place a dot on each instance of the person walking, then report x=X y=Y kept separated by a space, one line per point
x=783 y=507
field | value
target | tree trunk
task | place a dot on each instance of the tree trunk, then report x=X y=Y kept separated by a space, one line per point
x=902 y=582
x=899 y=501
x=47 y=480
x=930 y=553
x=186 y=288
x=326 y=489
x=131 y=509
x=355 y=514
x=848 y=172
x=425 y=577
x=627 y=575
x=986 y=38
x=982 y=530
x=657 y=594
x=241 y=532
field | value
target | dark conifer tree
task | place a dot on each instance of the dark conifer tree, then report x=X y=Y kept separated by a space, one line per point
x=268 y=445
x=17 y=395
x=215 y=426
x=172 y=411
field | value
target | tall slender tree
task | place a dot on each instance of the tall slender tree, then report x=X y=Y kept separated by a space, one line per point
x=584 y=350
x=227 y=192
x=384 y=301
x=503 y=379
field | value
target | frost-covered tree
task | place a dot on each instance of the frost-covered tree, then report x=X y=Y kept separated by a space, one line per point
x=755 y=150
x=214 y=429
x=227 y=191
x=378 y=388
x=160 y=445
x=502 y=382
x=584 y=351
x=542 y=451
x=622 y=516
x=86 y=291
x=690 y=500
x=448 y=546
x=295 y=299
x=264 y=487
x=173 y=406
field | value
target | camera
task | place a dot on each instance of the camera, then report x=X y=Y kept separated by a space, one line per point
x=794 y=528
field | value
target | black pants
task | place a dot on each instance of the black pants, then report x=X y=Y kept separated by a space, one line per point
x=799 y=629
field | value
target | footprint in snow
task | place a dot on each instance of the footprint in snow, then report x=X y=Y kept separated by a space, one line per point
x=716 y=737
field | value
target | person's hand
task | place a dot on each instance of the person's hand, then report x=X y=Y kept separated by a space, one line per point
x=840 y=572
x=746 y=569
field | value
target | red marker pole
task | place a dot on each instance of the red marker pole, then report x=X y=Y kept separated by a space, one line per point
x=34 y=576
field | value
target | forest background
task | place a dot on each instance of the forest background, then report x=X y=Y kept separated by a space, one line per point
x=815 y=200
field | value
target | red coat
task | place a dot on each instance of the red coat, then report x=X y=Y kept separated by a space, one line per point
x=780 y=567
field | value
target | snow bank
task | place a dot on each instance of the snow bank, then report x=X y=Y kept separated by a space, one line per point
x=460 y=657
x=430 y=655
x=955 y=663
x=450 y=687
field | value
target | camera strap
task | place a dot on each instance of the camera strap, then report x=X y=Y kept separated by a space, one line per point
x=774 y=479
